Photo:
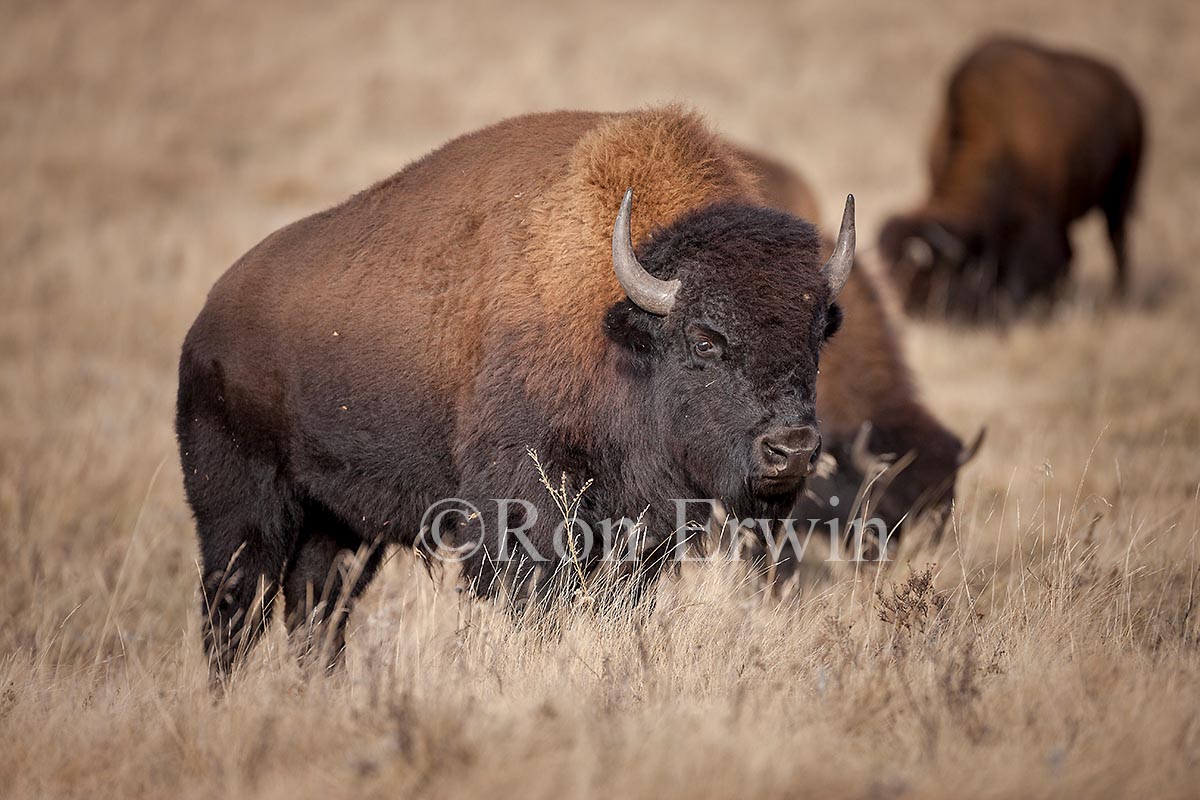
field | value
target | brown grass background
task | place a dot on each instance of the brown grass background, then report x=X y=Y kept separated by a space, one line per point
x=144 y=146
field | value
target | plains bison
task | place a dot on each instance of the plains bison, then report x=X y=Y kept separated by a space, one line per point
x=1029 y=140
x=412 y=344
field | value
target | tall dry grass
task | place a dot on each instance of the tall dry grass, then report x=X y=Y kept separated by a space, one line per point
x=1047 y=647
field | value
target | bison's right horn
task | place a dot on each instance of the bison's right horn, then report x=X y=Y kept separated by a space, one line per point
x=646 y=291
x=837 y=268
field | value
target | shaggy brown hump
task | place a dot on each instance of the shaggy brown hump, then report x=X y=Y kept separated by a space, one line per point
x=674 y=163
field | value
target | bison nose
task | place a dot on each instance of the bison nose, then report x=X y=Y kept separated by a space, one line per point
x=789 y=452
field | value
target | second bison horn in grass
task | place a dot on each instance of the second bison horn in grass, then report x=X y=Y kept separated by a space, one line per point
x=646 y=291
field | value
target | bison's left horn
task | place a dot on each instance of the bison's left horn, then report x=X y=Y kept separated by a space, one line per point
x=837 y=268
x=648 y=292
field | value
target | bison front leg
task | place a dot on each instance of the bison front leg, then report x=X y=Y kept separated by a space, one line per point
x=503 y=546
x=508 y=533
x=645 y=574
x=641 y=552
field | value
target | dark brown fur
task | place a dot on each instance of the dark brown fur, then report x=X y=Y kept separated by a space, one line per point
x=1029 y=139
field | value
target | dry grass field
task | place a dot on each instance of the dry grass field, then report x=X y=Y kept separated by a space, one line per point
x=1049 y=647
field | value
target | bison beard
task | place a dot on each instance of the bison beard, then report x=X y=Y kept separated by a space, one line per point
x=413 y=343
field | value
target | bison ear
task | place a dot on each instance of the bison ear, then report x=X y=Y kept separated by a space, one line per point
x=629 y=326
x=833 y=320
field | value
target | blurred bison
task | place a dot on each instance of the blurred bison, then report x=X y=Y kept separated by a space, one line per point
x=410 y=344
x=867 y=402
x=1029 y=140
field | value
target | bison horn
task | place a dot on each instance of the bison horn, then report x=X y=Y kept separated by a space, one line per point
x=646 y=291
x=837 y=268
x=860 y=452
x=972 y=450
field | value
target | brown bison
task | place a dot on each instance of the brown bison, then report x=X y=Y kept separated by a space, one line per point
x=1029 y=140
x=500 y=294
x=867 y=401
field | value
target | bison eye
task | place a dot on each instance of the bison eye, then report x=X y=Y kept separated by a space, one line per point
x=706 y=343
x=707 y=348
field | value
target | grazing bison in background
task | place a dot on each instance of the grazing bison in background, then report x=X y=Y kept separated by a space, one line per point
x=867 y=400
x=410 y=344
x=1029 y=140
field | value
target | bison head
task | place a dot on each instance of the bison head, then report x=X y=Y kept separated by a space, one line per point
x=727 y=309
x=939 y=266
x=901 y=474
